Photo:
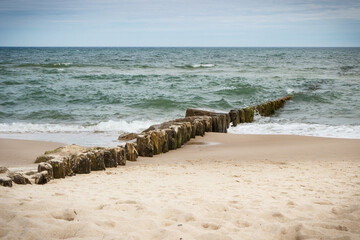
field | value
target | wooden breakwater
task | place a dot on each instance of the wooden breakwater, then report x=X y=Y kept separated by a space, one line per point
x=157 y=139
x=173 y=134
x=71 y=160
x=265 y=109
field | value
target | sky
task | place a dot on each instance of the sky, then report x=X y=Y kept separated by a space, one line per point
x=203 y=23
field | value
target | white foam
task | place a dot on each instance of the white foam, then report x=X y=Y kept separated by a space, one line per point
x=302 y=129
x=290 y=91
x=101 y=134
x=63 y=64
x=226 y=88
x=119 y=126
x=206 y=65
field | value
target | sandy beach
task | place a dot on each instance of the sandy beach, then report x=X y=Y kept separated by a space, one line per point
x=22 y=153
x=220 y=186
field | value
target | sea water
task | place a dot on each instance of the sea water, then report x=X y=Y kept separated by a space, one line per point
x=89 y=96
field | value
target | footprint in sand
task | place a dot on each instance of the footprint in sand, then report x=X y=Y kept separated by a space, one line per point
x=323 y=203
x=101 y=206
x=290 y=203
x=278 y=216
x=292 y=232
x=126 y=202
x=242 y=224
x=67 y=214
x=336 y=227
x=106 y=223
x=188 y=217
x=211 y=226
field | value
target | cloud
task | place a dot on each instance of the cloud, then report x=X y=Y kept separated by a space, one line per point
x=176 y=17
x=225 y=11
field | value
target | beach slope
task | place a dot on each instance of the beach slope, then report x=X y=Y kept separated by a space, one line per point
x=220 y=186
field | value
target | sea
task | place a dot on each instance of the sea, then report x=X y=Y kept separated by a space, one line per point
x=91 y=95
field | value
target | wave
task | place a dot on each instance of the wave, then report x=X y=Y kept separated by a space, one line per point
x=144 y=66
x=98 y=76
x=290 y=91
x=347 y=68
x=52 y=70
x=157 y=103
x=120 y=126
x=6 y=72
x=11 y=82
x=47 y=65
x=51 y=114
x=219 y=104
x=277 y=55
x=239 y=89
x=302 y=129
x=192 y=66
x=349 y=71
x=311 y=96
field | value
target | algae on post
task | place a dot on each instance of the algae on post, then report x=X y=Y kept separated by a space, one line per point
x=56 y=150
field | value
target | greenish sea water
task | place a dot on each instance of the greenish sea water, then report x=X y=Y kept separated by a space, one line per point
x=89 y=96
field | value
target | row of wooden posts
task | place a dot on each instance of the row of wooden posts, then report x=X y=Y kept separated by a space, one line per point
x=173 y=134
x=155 y=140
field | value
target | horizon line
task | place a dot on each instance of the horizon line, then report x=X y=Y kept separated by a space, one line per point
x=180 y=46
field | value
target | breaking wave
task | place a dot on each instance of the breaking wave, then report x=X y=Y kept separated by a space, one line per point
x=192 y=66
x=120 y=126
x=291 y=128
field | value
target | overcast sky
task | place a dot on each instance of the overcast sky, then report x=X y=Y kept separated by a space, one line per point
x=179 y=23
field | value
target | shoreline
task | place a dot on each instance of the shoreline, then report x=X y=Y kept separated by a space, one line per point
x=242 y=187
x=23 y=152
x=106 y=139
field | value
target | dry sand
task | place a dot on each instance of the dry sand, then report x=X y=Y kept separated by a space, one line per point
x=217 y=187
x=23 y=153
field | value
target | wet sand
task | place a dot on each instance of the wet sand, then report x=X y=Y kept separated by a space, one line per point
x=23 y=153
x=220 y=186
